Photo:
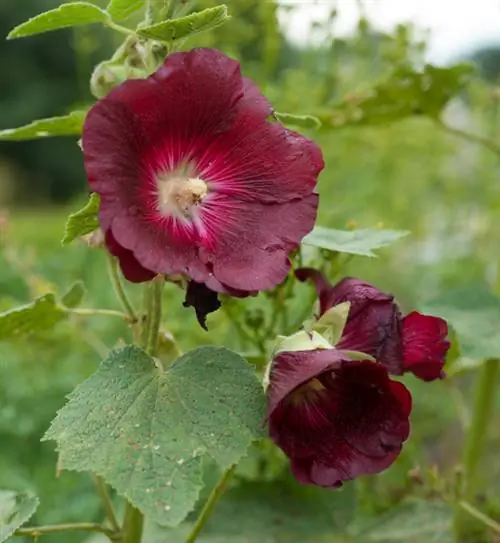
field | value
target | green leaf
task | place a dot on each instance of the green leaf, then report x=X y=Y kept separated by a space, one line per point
x=404 y=94
x=413 y=522
x=66 y=15
x=175 y=29
x=279 y=511
x=298 y=121
x=355 y=242
x=74 y=296
x=67 y=125
x=147 y=431
x=82 y=222
x=474 y=314
x=15 y=510
x=121 y=9
x=40 y=315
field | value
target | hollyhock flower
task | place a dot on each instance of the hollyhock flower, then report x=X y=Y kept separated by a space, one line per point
x=195 y=180
x=336 y=418
x=375 y=325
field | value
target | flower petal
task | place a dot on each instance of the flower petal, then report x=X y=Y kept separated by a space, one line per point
x=354 y=424
x=425 y=345
x=203 y=300
x=131 y=268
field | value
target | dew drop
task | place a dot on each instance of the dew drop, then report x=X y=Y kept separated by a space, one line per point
x=137 y=425
x=167 y=508
x=169 y=483
x=180 y=461
x=156 y=448
x=148 y=491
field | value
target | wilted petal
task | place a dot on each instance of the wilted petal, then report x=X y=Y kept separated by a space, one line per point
x=203 y=300
x=425 y=345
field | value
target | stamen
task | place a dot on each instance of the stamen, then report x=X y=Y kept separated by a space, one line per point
x=178 y=196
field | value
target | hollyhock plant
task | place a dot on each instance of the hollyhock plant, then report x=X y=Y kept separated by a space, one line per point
x=194 y=179
x=336 y=417
x=375 y=325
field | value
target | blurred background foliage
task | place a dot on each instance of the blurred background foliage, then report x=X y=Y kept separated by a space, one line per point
x=411 y=175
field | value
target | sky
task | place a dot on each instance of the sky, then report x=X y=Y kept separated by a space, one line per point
x=456 y=26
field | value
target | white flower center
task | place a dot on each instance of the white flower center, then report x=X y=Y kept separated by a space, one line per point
x=178 y=196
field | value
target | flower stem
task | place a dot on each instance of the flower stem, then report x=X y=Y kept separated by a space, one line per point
x=120 y=291
x=133 y=524
x=84 y=312
x=476 y=437
x=485 y=519
x=120 y=28
x=154 y=315
x=208 y=508
x=36 y=531
x=106 y=502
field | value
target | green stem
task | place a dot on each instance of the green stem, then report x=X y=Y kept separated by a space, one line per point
x=474 y=138
x=36 y=531
x=133 y=524
x=476 y=436
x=210 y=504
x=474 y=512
x=118 y=286
x=106 y=502
x=84 y=312
x=120 y=28
x=154 y=315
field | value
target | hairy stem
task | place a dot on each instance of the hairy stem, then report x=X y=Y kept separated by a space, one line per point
x=476 y=438
x=36 y=531
x=154 y=315
x=118 y=287
x=106 y=502
x=208 y=508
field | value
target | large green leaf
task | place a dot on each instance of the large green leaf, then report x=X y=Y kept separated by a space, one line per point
x=355 y=242
x=66 y=125
x=66 y=15
x=175 y=29
x=121 y=9
x=82 y=222
x=146 y=431
x=40 y=315
x=272 y=512
x=15 y=510
x=404 y=94
x=474 y=314
x=414 y=522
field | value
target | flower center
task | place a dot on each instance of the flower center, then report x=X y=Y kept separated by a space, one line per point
x=307 y=392
x=178 y=195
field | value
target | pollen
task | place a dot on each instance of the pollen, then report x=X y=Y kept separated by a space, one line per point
x=179 y=196
x=307 y=392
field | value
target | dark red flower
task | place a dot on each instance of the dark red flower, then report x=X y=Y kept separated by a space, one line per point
x=375 y=326
x=195 y=180
x=335 y=418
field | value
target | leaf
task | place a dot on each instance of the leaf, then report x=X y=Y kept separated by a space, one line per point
x=474 y=314
x=66 y=125
x=299 y=121
x=15 y=510
x=332 y=323
x=272 y=512
x=147 y=431
x=175 y=29
x=66 y=15
x=74 y=296
x=404 y=94
x=82 y=222
x=413 y=522
x=40 y=315
x=122 y=9
x=355 y=242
